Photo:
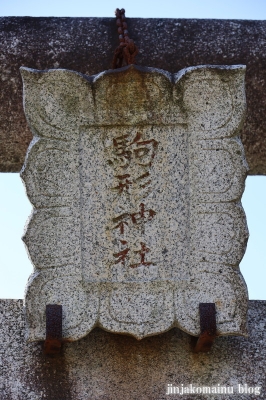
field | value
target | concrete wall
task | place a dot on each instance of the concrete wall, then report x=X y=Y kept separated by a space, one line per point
x=107 y=366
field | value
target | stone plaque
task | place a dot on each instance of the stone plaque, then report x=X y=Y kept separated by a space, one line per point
x=135 y=176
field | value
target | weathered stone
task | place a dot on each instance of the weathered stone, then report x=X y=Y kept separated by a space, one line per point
x=107 y=366
x=87 y=45
x=136 y=177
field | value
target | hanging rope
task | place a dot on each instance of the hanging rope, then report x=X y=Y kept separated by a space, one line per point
x=126 y=52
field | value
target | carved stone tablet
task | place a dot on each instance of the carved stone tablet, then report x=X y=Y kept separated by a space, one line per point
x=135 y=176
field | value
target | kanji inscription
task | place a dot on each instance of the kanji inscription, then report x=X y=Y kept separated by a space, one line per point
x=131 y=159
x=135 y=176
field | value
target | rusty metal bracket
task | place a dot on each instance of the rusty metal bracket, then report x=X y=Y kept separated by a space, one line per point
x=53 y=341
x=207 y=327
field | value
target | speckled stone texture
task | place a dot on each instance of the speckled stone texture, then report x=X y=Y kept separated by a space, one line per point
x=107 y=366
x=87 y=45
x=136 y=177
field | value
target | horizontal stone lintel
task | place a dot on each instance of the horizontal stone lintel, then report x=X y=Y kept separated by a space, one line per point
x=99 y=363
x=87 y=45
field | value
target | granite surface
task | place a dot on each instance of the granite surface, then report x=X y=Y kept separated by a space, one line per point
x=87 y=45
x=136 y=177
x=108 y=366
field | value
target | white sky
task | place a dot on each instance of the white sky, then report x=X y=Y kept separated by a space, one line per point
x=14 y=206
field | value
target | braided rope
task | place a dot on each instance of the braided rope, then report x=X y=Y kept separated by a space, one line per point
x=126 y=52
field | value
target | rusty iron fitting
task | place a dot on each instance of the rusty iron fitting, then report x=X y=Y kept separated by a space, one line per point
x=53 y=341
x=208 y=329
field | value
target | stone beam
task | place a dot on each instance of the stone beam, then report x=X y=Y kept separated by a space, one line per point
x=87 y=45
x=107 y=366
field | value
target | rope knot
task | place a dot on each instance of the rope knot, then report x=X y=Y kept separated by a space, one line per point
x=126 y=52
